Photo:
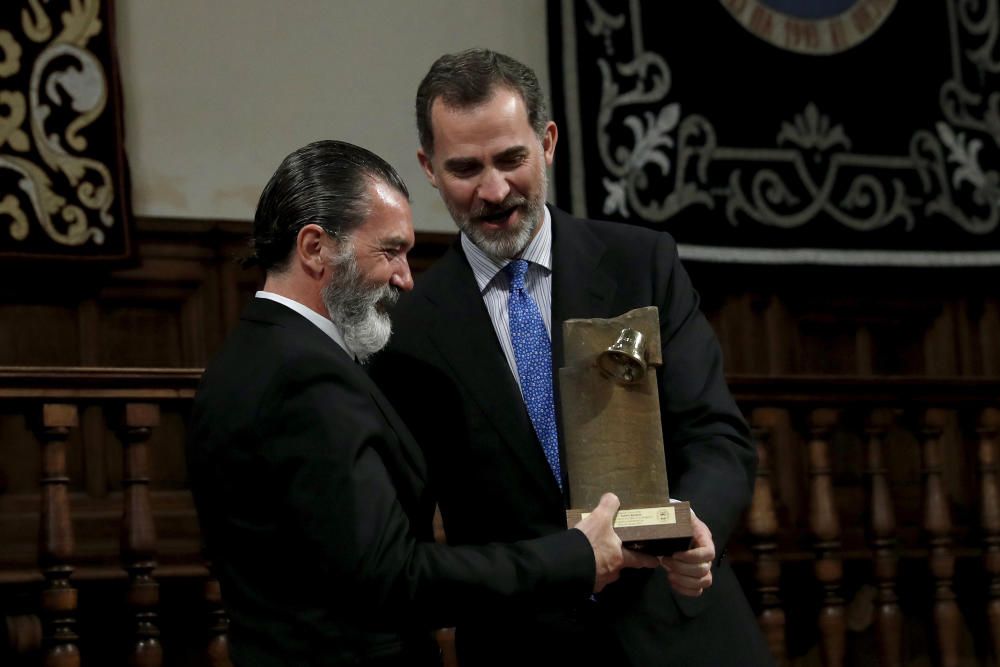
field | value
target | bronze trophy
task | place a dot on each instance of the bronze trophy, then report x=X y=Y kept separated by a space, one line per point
x=612 y=434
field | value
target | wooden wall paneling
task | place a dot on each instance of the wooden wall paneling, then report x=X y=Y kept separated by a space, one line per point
x=141 y=327
x=712 y=309
x=159 y=314
x=779 y=332
x=89 y=336
x=828 y=343
x=42 y=333
x=199 y=330
x=988 y=328
x=940 y=358
x=967 y=313
x=227 y=286
x=746 y=317
x=897 y=342
x=864 y=350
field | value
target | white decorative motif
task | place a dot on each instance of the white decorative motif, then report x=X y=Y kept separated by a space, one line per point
x=812 y=130
x=67 y=83
x=661 y=166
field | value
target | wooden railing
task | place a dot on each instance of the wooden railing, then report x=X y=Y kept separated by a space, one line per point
x=874 y=527
x=104 y=421
x=887 y=487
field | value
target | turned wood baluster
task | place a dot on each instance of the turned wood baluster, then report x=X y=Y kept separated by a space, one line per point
x=55 y=541
x=882 y=537
x=937 y=524
x=825 y=526
x=138 y=538
x=989 y=428
x=217 y=650
x=763 y=526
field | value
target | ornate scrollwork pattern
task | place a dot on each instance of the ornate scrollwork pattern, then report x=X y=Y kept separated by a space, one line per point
x=658 y=159
x=61 y=189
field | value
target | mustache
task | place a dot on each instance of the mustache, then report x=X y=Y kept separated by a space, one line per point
x=385 y=297
x=486 y=209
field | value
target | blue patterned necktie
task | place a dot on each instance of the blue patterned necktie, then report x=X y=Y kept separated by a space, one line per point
x=533 y=354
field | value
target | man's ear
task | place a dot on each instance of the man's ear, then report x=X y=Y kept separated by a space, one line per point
x=427 y=166
x=309 y=249
x=549 y=139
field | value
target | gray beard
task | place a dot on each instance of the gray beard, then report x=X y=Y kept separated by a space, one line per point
x=504 y=244
x=357 y=307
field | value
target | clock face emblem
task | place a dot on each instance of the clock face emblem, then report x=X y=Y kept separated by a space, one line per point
x=813 y=27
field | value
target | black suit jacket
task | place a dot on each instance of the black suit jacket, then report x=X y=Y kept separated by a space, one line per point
x=491 y=476
x=314 y=507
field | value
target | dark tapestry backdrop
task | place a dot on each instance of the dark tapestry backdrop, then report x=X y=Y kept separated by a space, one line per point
x=854 y=132
x=62 y=169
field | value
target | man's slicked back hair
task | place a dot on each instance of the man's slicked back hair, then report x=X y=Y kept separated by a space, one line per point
x=325 y=183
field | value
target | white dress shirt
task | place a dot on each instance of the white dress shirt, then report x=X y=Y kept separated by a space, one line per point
x=494 y=284
x=325 y=324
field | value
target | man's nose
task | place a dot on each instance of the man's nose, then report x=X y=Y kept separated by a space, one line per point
x=402 y=278
x=494 y=188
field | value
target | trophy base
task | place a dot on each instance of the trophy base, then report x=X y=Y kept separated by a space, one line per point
x=660 y=530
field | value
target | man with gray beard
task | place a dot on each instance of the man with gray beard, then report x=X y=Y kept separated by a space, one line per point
x=312 y=496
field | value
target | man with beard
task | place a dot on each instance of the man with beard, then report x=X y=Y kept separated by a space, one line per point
x=312 y=496
x=483 y=332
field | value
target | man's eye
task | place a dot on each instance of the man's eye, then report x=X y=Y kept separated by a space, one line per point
x=512 y=162
x=464 y=171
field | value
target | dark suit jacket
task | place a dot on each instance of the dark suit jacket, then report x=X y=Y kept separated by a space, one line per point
x=314 y=508
x=491 y=475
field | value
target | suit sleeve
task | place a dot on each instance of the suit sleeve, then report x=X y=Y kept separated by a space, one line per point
x=711 y=459
x=324 y=445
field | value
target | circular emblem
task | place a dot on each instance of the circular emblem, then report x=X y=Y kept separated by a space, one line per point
x=814 y=27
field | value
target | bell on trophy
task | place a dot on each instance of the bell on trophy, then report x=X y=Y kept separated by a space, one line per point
x=625 y=359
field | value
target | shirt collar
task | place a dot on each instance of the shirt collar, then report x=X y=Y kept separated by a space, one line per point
x=485 y=267
x=325 y=324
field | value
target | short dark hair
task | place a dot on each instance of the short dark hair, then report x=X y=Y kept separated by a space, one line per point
x=325 y=183
x=467 y=79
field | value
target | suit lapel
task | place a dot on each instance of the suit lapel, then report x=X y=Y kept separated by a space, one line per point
x=408 y=445
x=467 y=341
x=265 y=310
